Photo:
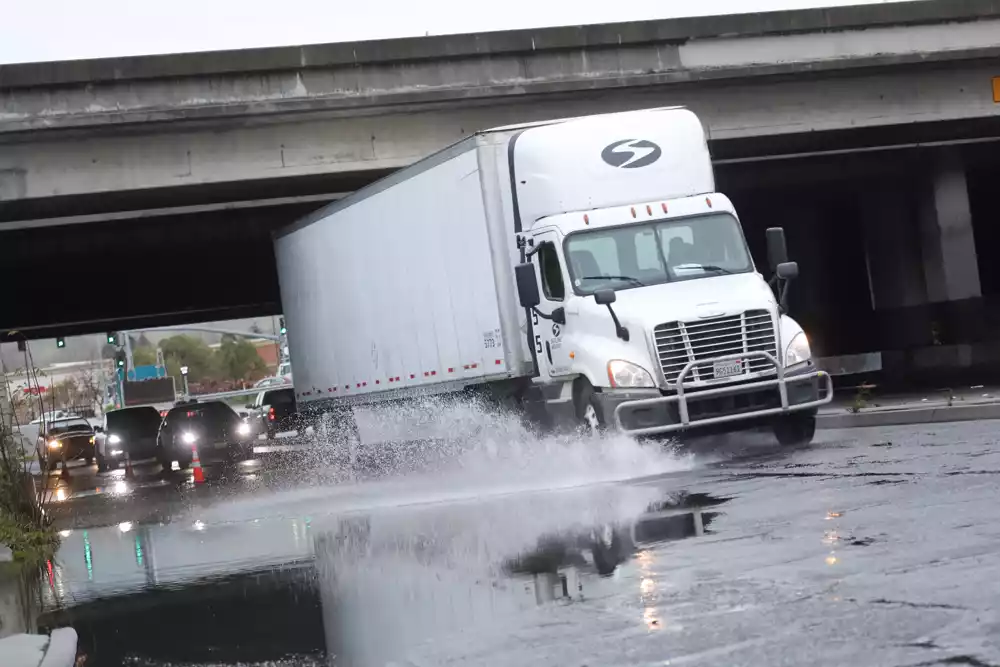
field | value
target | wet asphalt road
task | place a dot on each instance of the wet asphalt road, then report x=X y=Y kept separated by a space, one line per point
x=870 y=547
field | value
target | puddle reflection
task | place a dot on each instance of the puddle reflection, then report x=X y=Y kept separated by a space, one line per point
x=368 y=588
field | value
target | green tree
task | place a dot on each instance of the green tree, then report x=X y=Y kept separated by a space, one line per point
x=237 y=359
x=182 y=350
x=144 y=356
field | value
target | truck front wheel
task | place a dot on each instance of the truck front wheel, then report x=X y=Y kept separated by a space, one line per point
x=588 y=410
x=795 y=429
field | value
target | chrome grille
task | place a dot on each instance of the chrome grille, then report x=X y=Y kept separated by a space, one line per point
x=677 y=343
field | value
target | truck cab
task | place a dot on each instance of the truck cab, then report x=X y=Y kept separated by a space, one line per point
x=644 y=308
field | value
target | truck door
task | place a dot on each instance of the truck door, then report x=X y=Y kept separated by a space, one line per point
x=552 y=359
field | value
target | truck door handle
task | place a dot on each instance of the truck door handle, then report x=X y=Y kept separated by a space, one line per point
x=548 y=351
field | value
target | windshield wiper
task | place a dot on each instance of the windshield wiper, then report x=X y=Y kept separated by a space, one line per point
x=704 y=267
x=630 y=279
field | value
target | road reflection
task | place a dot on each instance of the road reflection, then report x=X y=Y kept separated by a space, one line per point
x=369 y=587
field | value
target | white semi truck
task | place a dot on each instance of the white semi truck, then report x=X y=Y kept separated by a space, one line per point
x=584 y=268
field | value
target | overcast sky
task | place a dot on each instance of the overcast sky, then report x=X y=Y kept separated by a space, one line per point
x=35 y=30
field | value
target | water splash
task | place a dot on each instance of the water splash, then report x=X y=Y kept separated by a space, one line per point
x=446 y=450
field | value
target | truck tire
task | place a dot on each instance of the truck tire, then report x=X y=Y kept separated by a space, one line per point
x=588 y=410
x=795 y=430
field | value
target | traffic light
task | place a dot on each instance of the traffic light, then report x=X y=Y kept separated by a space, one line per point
x=281 y=324
x=60 y=342
x=120 y=359
x=112 y=338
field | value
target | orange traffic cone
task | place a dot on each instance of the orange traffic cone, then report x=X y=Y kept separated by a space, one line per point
x=199 y=474
x=129 y=472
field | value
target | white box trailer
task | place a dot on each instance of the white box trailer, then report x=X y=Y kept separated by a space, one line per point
x=495 y=263
x=406 y=285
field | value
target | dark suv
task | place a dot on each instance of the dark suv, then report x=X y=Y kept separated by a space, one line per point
x=212 y=427
x=273 y=411
x=131 y=430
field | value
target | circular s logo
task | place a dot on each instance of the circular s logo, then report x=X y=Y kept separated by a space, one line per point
x=631 y=153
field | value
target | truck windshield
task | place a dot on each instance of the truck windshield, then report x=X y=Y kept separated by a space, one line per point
x=648 y=254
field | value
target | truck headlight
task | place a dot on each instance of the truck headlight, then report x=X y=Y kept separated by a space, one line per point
x=114 y=439
x=55 y=444
x=798 y=351
x=243 y=429
x=189 y=438
x=625 y=374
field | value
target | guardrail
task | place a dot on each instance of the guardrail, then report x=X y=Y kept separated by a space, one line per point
x=238 y=392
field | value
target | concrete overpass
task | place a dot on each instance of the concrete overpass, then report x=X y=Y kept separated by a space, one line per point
x=189 y=161
x=130 y=124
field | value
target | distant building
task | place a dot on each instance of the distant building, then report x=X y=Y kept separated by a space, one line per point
x=38 y=393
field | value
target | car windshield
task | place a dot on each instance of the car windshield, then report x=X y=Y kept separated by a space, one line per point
x=211 y=412
x=648 y=254
x=68 y=426
x=280 y=397
x=133 y=420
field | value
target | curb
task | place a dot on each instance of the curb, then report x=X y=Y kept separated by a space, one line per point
x=62 y=648
x=955 y=413
x=33 y=650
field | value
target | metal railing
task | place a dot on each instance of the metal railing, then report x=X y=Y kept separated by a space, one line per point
x=681 y=398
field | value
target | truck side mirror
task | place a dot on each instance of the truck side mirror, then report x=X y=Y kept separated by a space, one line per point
x=777 y=251
x=605 y=297
x=787 y=270
x=527 y=285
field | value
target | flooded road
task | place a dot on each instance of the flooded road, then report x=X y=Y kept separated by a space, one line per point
x=871 y=547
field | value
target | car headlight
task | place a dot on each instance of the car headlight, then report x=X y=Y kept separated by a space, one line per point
x=55 y=444
x=243 y=429
x=116 y=452
x=189 y=438
x=114 y=439
x=798 y=351
x=626 y=374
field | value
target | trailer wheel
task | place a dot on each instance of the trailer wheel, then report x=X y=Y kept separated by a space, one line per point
x=796 y=429
x=588 y=410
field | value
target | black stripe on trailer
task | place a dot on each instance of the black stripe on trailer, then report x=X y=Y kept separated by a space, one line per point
x=513 y=181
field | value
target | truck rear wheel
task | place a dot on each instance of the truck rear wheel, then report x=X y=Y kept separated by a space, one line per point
x=795 y=429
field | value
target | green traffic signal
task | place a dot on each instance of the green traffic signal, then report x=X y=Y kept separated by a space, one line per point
x=112 y=338
x=60 y=342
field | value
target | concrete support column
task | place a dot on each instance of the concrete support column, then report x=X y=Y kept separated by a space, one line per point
x=892 y=250
x=951 y=268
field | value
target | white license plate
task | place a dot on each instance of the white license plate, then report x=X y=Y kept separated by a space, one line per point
x=727 y=369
